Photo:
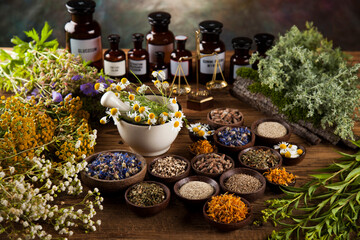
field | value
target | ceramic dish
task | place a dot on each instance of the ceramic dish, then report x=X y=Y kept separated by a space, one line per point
x=252 y=196
x=111 y=186
x=210 y=175
x=267 y=141
x=169 y=180
x=261 y=170
x=196 y=202
x=216 y=125
x=229 y=226
x=150 y=210
x=232 y=150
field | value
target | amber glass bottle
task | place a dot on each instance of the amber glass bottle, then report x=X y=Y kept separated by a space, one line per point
x=114 y=58
x=160 y=64
x=181 y=52
x=159 y=38
x=263 y=42
x=83 y=34
x=210 y=42
x=138 y=59
x=241 y=56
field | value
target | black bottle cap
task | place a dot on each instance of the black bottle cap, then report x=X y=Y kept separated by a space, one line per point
x=241 y=43
x=159 y=56
x=265 y=39
x=113 y=38
x=159 y=18
x=138 y=37
x=210 y=26
x=80 y=6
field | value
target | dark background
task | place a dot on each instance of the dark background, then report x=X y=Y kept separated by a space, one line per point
x=337 y=20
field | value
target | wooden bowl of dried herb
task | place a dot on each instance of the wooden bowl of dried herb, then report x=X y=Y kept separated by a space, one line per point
x=147 y=198
x=270 y=131
x=196 y=190
x=225 y=117
x=212 y=164
x=234 y=139
x=277 y=178
x=227 y=212
x=169 y=168
x=244 y=182
x=260 y=158
x=291 y=153
x=113 y=170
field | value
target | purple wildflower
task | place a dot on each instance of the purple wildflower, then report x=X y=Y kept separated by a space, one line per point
x=35 y=92
x=76 y=77
x=102 y=80
x=88 y=89
x=56 y=97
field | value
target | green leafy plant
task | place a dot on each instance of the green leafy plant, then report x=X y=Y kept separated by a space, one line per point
x=327 y=207
x=310 y=80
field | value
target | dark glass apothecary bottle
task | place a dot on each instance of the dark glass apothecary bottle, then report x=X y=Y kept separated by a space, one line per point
x=83 y=33
x=138 y=59
x=114 y=58
x=210 y=42
x=264 y=42
x=181 y=52
x=160 y=38
x=160 y=64
x=241 y=56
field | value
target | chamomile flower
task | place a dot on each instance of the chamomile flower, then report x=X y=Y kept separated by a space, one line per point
x=281 y=145
x=103 y=120
x=131 y=97
x=165 y=85
x=178 y=115
x=288 y=150
x=173 y=101
x=144 y=111
x=163 y=117
x=160 y=75
x=176 y=123
x=142 y=89
x=157 y=84
x=125 y=82
x=100 y=87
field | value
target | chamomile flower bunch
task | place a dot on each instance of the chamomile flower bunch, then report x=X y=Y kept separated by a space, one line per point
x=144 y=109
x=200 y=129
x=288 y=150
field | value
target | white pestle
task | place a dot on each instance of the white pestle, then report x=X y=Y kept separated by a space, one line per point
x=110 y=100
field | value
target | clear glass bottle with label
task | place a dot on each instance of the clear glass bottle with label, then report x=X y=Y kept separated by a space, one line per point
x=241 y=56
x=83 y=33
x=138 y=59
x=159 y=38
x=181 y=52
x=160 y=64
x=264 y=42
x=210 y=42
x=114 y=58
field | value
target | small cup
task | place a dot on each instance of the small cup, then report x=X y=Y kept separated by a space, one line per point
x=149 y=210
x=216 y=125
x=297 y=160
x=261 y=170
x=196 y=202
x=210 y=175
x=266 y=141
x=169 y=180
x=229 y=226
x=233 y=150
x=249 y=196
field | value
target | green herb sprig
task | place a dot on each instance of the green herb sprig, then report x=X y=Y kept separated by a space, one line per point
x=327 y=207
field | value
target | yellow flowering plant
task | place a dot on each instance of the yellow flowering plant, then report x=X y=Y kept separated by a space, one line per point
x=137 y=108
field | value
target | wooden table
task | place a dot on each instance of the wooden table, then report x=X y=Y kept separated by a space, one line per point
x=177 y=221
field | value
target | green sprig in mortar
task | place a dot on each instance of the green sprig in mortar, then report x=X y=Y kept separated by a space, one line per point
x=327 y=207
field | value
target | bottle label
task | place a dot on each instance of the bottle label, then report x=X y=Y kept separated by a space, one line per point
x=174 y=67
x=207 y=64
x=167 y=49
x=138 y=67
x=89 y=49
x=115 y=69
x=236 y=67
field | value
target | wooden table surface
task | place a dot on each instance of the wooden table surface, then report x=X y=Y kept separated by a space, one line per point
x=177 y=221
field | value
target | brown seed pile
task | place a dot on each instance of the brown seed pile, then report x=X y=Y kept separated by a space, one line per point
x=226 y=116
x=271 y=129
x=196 y=190
x=243 y=183
x=168 y=167
x=213 y=163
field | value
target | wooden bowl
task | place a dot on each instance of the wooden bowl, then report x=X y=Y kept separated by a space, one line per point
x=294 y=161
x=276 y=188
x=210 y=175
x=169 y=180
x=229 y=226
x=111 y=186
x=194 y=137
x=216 y=125
x=149 y=210
x=232 y=150
x=196 y=202
x=266 y=141
x=213 y=145
x=249 y=196
x=261 y=170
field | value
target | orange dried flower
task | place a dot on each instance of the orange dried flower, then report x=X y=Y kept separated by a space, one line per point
x=201 y=147
x=280 y=176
